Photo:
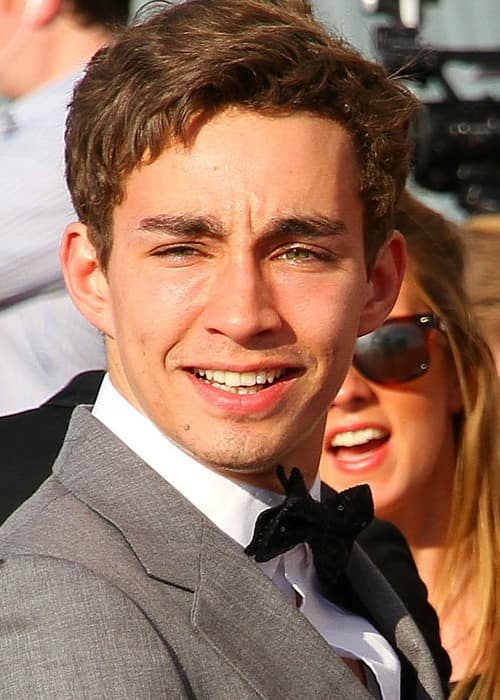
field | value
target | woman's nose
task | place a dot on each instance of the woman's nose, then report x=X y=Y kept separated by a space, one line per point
x=355 y=391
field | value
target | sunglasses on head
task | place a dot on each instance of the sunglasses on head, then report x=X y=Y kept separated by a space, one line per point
x=397 y=351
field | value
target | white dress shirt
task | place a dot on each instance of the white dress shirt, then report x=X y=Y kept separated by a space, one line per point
x=44 y=340
x=233 y=508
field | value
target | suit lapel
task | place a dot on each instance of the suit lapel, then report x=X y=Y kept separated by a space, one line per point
x=391 y=618
x=261 y=634
x=158 y=523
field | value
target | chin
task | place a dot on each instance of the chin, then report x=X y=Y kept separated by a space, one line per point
x=387 y=506
x=235 y=458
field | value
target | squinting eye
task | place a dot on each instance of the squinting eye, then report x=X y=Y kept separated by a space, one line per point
x=298 y=254
x=179 y=251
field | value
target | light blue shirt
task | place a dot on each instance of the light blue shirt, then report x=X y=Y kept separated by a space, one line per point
x=44 y=340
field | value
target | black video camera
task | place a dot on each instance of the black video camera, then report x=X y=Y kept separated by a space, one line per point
x=457 y=141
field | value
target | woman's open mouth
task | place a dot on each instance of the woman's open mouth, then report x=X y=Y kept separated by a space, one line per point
x=358 y=449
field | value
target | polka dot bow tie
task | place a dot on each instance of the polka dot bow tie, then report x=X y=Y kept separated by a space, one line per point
x=329 y=527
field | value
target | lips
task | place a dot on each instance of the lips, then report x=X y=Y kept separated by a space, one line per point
x=242 y=383
x=358 y=448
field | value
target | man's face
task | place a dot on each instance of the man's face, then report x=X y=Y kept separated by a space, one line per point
x=236 y=287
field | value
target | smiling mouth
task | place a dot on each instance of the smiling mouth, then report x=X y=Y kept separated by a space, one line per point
x=358 y=440
x=242 y=383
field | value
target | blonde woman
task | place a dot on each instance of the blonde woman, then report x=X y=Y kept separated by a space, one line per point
x=416 y=418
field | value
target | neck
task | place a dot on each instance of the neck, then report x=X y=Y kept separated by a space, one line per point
x=425 y=526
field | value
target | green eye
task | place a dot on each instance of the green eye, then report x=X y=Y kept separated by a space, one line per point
x=298 y=254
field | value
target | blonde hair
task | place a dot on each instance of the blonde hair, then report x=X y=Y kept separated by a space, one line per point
x=436 y=265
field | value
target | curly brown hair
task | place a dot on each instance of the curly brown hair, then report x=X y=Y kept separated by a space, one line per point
x=199 y=57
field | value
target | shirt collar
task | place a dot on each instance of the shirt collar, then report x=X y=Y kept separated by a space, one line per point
x=232 y=506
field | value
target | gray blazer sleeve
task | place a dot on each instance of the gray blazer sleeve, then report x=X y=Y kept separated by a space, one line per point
x=65 y=633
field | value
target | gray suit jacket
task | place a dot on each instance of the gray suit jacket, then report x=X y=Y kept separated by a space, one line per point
x=114 y=586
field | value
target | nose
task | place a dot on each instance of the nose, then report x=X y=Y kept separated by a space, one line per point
x=242 y=303
x=355 y=392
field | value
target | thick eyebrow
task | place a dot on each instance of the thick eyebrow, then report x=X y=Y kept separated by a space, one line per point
x=185 y=225
x=182 y=225
x=314 y=226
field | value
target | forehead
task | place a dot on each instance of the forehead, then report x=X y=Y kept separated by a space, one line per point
x=241 y=163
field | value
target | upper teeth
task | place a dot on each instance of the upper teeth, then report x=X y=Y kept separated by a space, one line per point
x=237 y=379
x=351 y=438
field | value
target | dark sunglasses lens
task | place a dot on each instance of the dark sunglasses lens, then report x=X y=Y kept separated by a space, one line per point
x=395 y=352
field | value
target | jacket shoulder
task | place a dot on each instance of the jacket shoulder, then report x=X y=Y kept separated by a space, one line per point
x=83 y=635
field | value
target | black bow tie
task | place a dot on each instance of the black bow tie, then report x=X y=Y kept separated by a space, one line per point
x=329 y=527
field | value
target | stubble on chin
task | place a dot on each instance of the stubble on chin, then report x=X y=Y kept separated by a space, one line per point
x=234 y=456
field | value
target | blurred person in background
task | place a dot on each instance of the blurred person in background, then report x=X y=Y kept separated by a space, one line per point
x=482 y=244
x=416 y=418
x=44 y=45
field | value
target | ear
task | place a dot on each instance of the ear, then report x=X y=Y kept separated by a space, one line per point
x=384 y=280
x=84 y=277
x=37 y=13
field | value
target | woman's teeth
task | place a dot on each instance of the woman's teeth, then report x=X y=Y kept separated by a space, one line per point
x=239 y=382
x=353 y=438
